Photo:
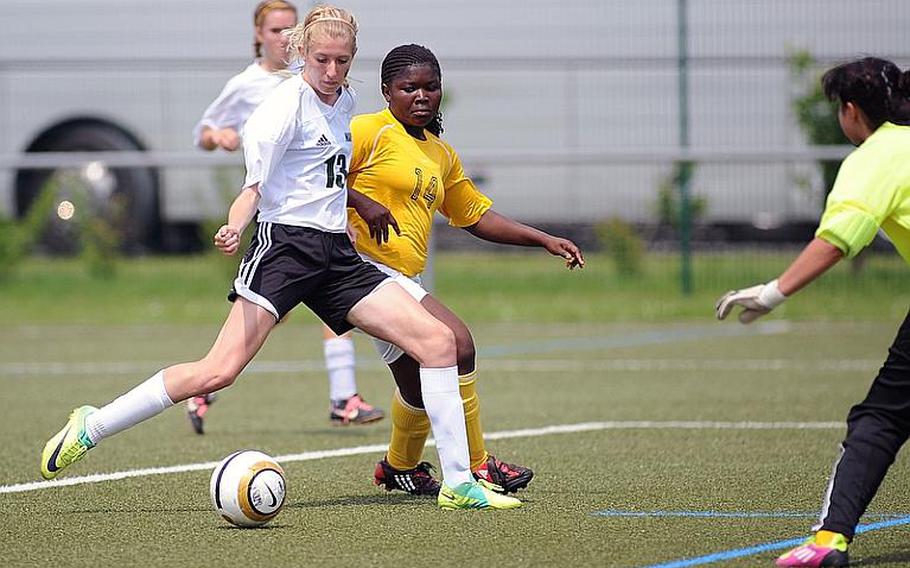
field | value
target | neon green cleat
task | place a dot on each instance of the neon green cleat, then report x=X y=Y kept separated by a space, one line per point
x=68 y=446
x=474 y=495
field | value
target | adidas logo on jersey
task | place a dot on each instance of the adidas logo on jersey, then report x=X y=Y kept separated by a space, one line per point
x=323 y=141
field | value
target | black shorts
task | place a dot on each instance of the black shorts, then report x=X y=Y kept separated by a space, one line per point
x=287 y=265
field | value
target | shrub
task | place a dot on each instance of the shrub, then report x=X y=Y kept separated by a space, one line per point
x=623 y=245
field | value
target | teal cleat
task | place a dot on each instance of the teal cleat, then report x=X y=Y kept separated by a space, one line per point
x=475 y=495
x=68 y=445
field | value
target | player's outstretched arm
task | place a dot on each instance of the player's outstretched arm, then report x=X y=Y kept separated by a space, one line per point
x=498 y=228
x=227 y=238
x=756 y=301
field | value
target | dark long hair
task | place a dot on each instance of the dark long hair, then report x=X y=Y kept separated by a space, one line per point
x=875 y=85
x=403 y=57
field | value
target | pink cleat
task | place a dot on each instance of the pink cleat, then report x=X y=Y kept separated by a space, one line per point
x=354 y=410
x=196 y=407
x=812 y=555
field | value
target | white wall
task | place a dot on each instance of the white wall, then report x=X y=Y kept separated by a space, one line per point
x=520 y=75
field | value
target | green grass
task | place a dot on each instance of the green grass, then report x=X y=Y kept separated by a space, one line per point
x=555 y=348
x=519 y=287
x=530 y=378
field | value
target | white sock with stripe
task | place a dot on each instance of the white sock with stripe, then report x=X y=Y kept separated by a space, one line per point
x=144 y=401
x=340 y=361
x=442 y=401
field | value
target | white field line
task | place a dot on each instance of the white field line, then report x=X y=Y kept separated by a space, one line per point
x=377 y=448
x=491 y=356
x=518 y=365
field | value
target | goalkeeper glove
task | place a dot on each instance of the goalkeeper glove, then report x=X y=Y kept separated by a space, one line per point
x=756 y=301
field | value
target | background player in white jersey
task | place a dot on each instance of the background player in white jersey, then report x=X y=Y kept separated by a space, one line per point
x=221 y=127
x=400 y=162
x=297 y=150
x=871 y=192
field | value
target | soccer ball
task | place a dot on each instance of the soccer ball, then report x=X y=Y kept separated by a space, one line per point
x=248 y=488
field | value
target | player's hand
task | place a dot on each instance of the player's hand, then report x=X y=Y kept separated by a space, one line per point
x=227 y=139
x=566 y=249
x=378 y=219
x=227 y=239
x=756 y=301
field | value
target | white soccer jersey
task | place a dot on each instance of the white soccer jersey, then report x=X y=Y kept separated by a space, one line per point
x=297 y=149
x=239 y=98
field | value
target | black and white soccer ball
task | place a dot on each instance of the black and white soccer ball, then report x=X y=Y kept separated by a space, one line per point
x=248 y=488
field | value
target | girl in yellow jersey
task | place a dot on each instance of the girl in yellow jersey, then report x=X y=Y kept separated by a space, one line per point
x=401 y=174
x=872 y=192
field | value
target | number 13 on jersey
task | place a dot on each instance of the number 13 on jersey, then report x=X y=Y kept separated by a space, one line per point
x=336 y=171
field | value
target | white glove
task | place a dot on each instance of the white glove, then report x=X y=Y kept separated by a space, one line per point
x=756 y=301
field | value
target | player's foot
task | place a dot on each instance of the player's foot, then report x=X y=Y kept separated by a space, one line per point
x=821 y=549
x=474 y=495
x=68 y=445
x=416 y=481
x=196 y=407
x=509 y=477
x=354 y=410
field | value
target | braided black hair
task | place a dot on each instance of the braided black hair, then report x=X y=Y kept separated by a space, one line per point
x=403 y=57
x=876 y=85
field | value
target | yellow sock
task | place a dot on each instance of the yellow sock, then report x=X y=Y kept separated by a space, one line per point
x=476 y=447
x=410 y=429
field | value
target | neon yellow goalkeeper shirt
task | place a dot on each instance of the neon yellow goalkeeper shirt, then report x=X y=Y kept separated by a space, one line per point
x=872 y=191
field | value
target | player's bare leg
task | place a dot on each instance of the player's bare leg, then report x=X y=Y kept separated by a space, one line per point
x=392 y=315
x=240 y=338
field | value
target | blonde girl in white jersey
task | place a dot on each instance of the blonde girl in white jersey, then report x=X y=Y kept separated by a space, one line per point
x=223 y=120
x=221 y=127
x=296 y=150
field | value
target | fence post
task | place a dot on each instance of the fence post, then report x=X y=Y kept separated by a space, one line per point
x=685 y=168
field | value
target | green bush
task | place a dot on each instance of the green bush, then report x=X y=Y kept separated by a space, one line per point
x=668 y=207
x=100 y=247
x=815 y=114
x=622 y=244
x=13 y=245
x=18 y=236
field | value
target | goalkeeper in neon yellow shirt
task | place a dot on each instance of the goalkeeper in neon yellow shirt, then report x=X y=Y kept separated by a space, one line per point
x=872 y=192
x=400 y=174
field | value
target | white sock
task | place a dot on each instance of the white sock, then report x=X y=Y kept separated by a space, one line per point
x=144 y=401
x=340 y=362
x=442 y=400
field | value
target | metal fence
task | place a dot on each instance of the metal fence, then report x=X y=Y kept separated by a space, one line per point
x=568 y=114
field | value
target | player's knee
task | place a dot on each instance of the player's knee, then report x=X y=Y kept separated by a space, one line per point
x=466 y=352
x=436 y=347
x=219 y=380
x=215 y=378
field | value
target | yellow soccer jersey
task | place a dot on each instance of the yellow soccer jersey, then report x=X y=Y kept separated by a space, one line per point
x=872 y=190
x=413 y=178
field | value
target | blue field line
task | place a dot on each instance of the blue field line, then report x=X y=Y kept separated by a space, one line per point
x=767 y=547
x=688 y=333
x=729 y=514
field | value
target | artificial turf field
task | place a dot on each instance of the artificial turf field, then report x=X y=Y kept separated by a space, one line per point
x=684 y=444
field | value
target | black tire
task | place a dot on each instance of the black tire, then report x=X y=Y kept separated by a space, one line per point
x=135 y=190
